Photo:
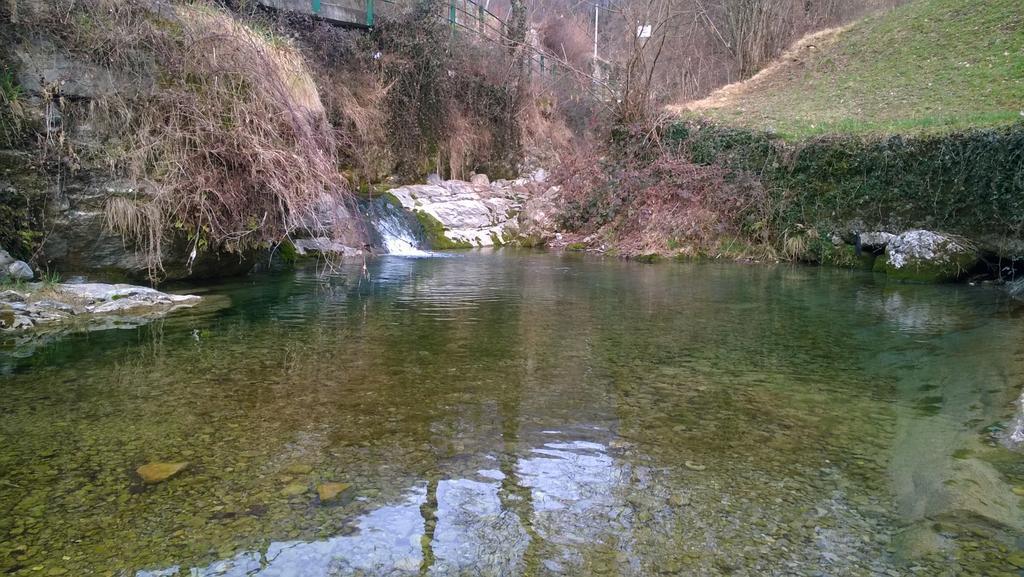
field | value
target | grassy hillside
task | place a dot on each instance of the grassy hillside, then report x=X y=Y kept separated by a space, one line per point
x=928 y=66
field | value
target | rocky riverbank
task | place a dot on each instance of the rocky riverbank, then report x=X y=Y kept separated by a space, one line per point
x=85 y=306
x=478 y=212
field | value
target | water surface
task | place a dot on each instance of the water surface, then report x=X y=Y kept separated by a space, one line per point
x=526 y=414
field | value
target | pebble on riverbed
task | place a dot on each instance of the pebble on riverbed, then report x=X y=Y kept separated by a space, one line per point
x=153 y=473
x=329 y=492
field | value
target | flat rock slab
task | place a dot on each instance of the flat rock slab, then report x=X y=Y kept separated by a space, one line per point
x=38 y=304
x=153 y=473
x=473 y=213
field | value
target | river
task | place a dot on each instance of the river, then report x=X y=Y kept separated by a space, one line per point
x=522 y=413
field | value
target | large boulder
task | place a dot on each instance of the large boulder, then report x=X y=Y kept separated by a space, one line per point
x=537 y=224
x=323 y=246
x=458 y=214
x=875 y=240
x=90 y=305
x=19 y=270
x=925 y=256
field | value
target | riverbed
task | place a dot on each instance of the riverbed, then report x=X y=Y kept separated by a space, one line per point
x=522 y=413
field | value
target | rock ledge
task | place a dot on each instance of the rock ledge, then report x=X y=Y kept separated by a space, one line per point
x=37 y=305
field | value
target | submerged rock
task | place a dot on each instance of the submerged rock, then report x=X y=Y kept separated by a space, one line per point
x=294 y=489
x=925 y=256
x=298 y=469
x=330 y=491
x=152 y=473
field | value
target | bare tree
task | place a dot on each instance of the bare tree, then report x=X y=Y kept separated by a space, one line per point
x=647 y=25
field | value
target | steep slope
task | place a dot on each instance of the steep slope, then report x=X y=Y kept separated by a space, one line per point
x=928 y=66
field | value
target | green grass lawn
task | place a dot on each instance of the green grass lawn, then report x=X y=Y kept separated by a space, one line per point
x=928 y=66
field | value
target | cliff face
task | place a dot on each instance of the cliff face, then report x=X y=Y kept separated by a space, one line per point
x=154 y=155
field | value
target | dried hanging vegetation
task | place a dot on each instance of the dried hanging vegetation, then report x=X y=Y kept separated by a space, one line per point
x=646 y=196
x=416 y=95
x=226 y=135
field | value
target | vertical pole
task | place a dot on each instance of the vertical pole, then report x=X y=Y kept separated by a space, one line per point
x=480 y=18
x=369 y=13
x=451 y=13
x=315 y=6
x=597 y=16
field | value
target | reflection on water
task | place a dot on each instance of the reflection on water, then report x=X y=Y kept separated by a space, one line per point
x=526 y=414
x=386 y=541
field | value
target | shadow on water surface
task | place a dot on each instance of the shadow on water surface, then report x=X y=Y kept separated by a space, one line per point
x=525 y=414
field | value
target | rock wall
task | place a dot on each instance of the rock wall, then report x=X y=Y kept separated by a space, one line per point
x=459 y=214
x=70 y=180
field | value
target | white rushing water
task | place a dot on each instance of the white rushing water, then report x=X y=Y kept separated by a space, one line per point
x=1015 y=434
x=396 y=235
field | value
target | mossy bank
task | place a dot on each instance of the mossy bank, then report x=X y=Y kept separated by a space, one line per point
x=812 y=200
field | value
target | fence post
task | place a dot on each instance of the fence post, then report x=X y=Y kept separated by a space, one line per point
x=451 y=13
x=369 y=13
x=315 y=6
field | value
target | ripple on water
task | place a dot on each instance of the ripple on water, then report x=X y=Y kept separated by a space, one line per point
x=516 y=413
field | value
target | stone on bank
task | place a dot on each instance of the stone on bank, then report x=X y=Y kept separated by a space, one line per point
x=459 y=214
x=925 y=256
x=14 y=270
x=42 y=306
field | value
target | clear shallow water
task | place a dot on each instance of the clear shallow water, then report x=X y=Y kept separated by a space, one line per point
x=526 y=414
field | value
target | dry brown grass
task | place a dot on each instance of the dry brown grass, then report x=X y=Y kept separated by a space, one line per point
x=232 y=146
x=567 y=39
x=653 y=200
x=788 y=66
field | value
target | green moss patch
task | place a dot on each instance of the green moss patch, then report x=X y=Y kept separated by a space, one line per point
x=434 y=231
x=968 y=183
x=928 y=66
x=927 y=272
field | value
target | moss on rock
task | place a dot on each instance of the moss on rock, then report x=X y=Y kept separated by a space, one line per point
x=925 y=256
x=434 y=231
x=967 y=183
x=927 y=271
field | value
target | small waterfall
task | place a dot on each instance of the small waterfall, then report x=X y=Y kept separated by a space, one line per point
x=1014 y=436
x=396 y=229
x=1016 y=288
